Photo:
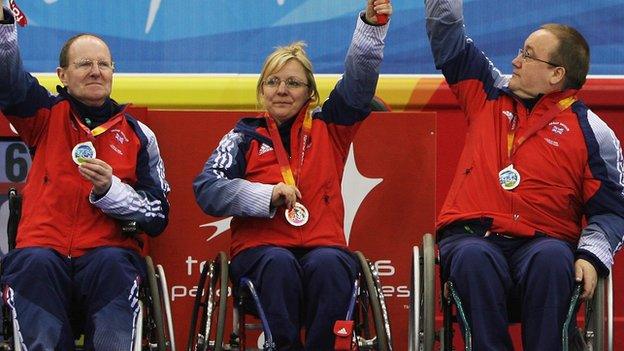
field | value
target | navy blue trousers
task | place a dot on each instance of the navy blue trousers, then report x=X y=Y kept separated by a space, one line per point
x=309 y=288
x=55 y=298
x=488 y=271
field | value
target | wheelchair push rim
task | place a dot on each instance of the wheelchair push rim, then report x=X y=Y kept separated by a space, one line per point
x=211 y=298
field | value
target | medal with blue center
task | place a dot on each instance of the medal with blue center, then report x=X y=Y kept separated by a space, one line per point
x=83 y=151
x=509 y=178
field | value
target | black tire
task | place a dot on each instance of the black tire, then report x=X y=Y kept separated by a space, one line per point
x=428 y=295
x=155 y=306
x=213 y=274
x=373 y=292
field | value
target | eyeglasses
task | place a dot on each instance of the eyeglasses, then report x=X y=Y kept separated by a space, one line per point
x=291 y=83
x=87 y=65
x=526 y=56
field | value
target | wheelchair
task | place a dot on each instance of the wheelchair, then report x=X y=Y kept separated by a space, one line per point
x=422 y=305
x=154 y=330
x=367 y=312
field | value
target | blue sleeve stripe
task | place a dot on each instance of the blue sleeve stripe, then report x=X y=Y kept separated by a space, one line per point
x=20 y=93
x=150 y=166
x=447 y=41
x=225 y=154
x=221 y=190
x=605 y=209
x=604 y=152
x=350 y=101
x=35 y=97
x=472 y=63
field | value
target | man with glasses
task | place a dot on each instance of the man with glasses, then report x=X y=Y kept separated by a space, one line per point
x=94 y=168
x=535 y=162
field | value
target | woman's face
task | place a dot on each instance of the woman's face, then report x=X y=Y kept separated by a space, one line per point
x=286 y=91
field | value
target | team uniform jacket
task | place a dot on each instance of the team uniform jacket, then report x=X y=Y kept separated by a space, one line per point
x=238 y=178
x=59 y=211
x=569 y=169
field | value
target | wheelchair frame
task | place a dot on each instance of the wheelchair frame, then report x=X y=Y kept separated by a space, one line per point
x=154 y=330
x=371 y=331
x=422 y=334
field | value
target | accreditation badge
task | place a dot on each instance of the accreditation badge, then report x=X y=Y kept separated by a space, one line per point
x=509 y=178
x=83 y=151
x=298 y=215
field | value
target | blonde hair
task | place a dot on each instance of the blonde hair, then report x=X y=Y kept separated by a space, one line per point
x=278 y=59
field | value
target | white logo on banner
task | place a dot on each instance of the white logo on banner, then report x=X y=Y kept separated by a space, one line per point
x=151 y=15
x=355 y=188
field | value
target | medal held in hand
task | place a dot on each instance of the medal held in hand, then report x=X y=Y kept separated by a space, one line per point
x=509 y=178
x=83 y=151
x=298 y=215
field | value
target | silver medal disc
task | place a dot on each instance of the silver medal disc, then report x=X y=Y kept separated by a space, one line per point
x=509 y=178
x=83 y=151
x=298 y=215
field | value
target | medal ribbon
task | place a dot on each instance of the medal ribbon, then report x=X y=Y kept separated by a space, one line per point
x=280 y=152
x=99 y=129
x=562 y=105
x=18 y=14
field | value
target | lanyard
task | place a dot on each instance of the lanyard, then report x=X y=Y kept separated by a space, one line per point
x=280 y=152
x=513 y=144
x=99 y=129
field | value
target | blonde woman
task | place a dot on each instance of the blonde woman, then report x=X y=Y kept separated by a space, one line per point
x=279 y=175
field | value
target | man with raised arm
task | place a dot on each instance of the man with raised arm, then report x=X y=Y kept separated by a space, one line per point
x=95 y=167
x=535 y=162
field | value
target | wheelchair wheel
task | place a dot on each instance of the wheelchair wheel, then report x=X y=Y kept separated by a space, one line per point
x=371 y=305
x=155 y=330
x=206 y=335
x=164 y=294
x=427 y=298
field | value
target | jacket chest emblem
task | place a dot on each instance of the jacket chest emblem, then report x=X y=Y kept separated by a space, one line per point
x=120 y=136
x=119 y=140
x=264 y=148
x=558 y=127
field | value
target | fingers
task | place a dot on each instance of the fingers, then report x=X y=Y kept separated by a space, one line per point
x=586 y=273
x=285 y=195
x=578 y=272
x=99 y=173
x=383 y=8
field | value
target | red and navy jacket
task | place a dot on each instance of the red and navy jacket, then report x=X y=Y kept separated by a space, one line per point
x=570 y=168
x=238 y=178
x=58 y=210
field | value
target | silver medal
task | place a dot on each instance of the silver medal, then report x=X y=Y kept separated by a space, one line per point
x=509 y=178
x=83 y=151
x=298 y=215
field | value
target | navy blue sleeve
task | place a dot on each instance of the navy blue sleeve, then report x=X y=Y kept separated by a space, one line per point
x=146 y=201
x=604 y=208
x=221 y=190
